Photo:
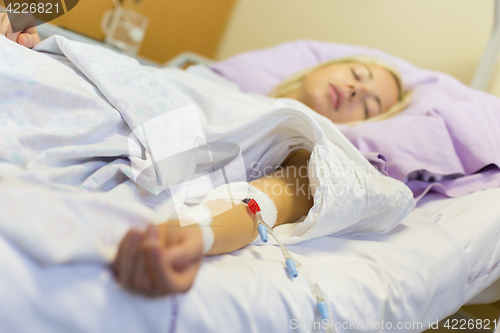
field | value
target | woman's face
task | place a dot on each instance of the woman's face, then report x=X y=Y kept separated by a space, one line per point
x=348 y=91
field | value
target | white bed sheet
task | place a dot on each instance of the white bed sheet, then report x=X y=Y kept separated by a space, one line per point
x=473 y=220
x=441 y=256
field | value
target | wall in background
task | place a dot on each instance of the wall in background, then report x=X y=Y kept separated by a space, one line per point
x=444 y=35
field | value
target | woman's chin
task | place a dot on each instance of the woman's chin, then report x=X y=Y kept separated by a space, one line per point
x=327 y=113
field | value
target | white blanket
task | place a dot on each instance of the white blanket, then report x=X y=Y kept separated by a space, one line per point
x=85 y=134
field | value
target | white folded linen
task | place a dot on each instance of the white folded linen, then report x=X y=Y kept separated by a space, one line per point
x=85 y=124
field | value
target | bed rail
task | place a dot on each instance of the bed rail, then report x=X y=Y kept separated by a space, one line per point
x=486 y=66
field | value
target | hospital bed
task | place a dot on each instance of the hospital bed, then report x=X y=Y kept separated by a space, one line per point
x=444 y=254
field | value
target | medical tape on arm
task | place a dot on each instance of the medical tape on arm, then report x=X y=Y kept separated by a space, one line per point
x=236 y=192
x=207 y=234
x=203 y=214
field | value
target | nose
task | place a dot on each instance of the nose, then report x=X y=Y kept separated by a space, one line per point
x=358 y=90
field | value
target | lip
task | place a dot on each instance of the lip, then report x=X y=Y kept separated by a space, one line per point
x=337 y=96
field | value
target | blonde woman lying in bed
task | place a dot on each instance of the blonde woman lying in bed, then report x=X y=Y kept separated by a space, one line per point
x=165 y=259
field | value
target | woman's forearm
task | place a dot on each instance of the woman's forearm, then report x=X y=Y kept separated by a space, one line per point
x=233 y=225
x=233 y=229
x=288 y=188
x=164 y=259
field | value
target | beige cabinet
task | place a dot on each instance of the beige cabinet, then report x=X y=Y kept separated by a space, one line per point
x=175 y=25
x=182 y=25
x=85 y=18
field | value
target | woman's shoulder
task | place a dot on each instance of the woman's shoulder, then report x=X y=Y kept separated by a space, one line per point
x=296 y=155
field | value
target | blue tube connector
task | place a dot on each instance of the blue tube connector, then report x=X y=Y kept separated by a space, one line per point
x=263 y=232
x=323 y=310
x=290 y=265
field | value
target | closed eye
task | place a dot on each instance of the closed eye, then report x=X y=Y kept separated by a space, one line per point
x=356 y=77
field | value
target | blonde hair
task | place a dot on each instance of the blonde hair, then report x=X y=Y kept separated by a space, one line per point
x=293 y=83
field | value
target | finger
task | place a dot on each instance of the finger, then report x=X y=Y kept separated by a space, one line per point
x=141 y=278
x=13 y=36
x=132 y=261
x=26 y=40
x=120 y=255
x=182 y=281
x=115 y=265
x=30 y=36
x=4 y=25
x=145 y=280
x=130 y=243
x=158 y=273
x=136 y=264
x=177 y=267
x=185 y=259
x=188 y=251
x=152 y=240
x=152 y=235
x=173 y=269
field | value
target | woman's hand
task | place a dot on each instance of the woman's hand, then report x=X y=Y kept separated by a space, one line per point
x=160 y=261
x=165 y=259
x=27 y=37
